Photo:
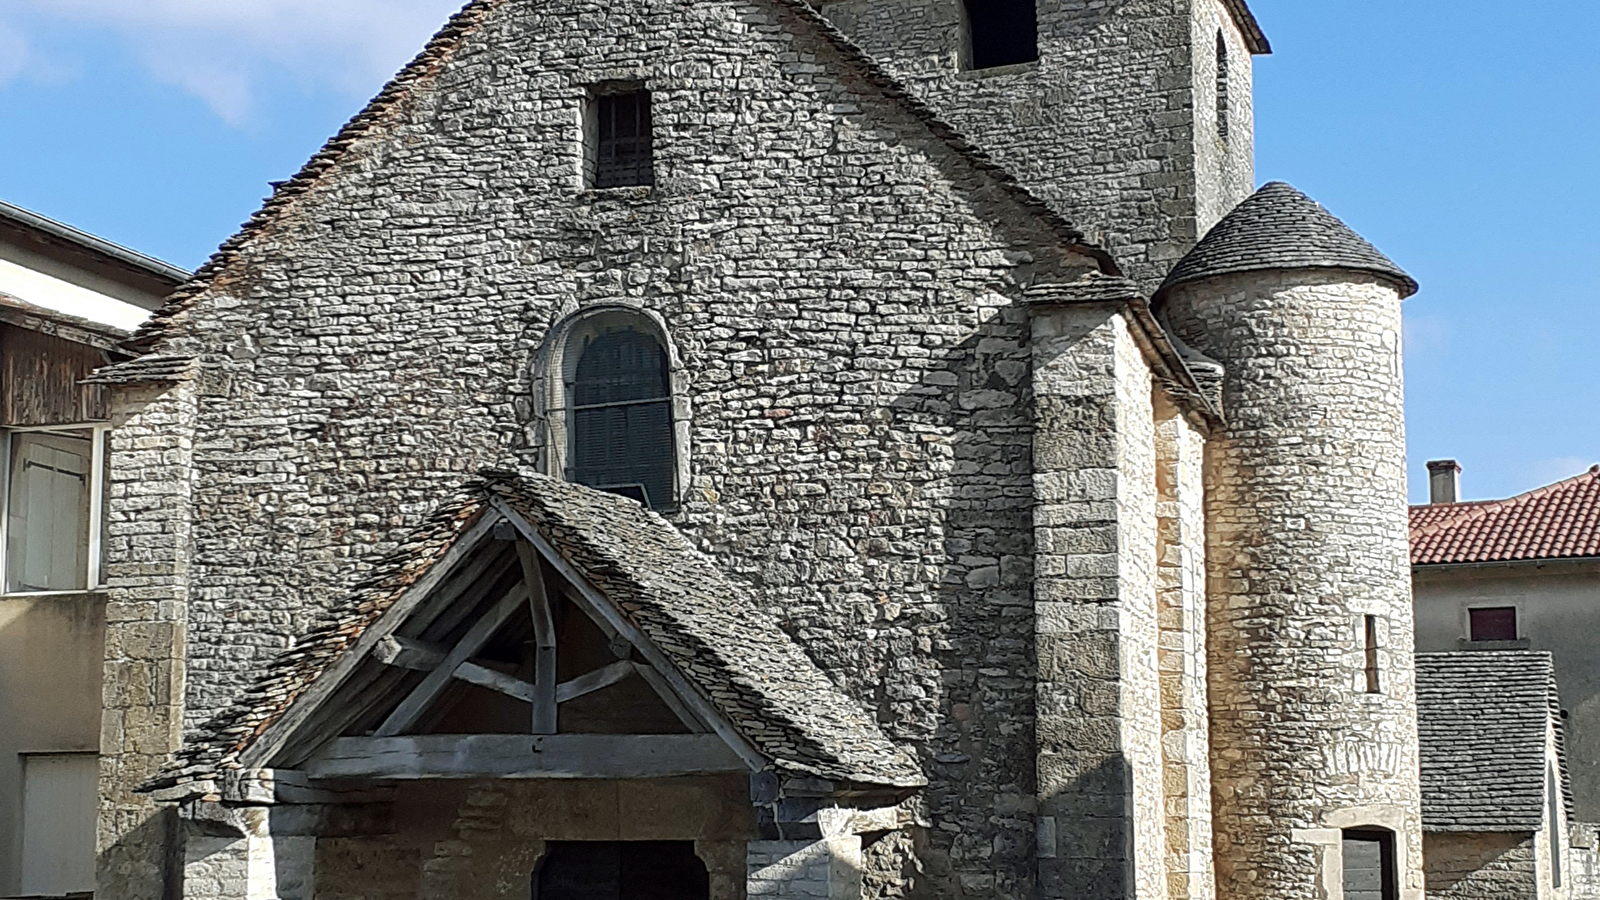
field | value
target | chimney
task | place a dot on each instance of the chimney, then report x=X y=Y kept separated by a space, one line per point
x=1444 y=482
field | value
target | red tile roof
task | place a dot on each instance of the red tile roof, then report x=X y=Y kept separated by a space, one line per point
x=1558 y=521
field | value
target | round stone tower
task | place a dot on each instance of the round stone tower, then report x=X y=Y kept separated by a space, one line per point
x=1313 y=705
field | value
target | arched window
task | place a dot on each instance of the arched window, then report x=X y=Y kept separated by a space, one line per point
x=620 y=412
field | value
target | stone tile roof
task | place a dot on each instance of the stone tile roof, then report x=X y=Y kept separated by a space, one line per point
x=1483 y=718
x=1280 y=228
x=155 y=367
x=1557 y=521
x=1254 y=37
x=708 y=626
x=439 y=50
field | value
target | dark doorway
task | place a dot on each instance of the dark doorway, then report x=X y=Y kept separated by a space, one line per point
x=621 y=870
x=1002 y=32
x=1369 y=866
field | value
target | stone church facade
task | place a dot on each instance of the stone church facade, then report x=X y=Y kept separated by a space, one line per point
x=983 y=531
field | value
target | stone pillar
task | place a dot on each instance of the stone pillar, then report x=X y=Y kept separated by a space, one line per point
x=1099 y=723
x=826 y=868
x=1306 y=511
x=1180 y=573
x=232 y=854
x=147 y=556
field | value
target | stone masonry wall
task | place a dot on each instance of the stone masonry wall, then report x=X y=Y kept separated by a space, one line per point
x=843 y=306
x=1185 y=736
x=1099 y=712
x=1305 y=495
x=147 y=548
x=1480 y=867
x=1114 y=126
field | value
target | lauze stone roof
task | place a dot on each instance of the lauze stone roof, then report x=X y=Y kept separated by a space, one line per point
x=1484 y=720
x=707 y=626
x=1558 y=521
x=1280 y=228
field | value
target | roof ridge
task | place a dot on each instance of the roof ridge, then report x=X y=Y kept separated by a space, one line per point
x=443 y=44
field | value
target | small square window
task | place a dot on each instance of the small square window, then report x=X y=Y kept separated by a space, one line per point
x=622 y=140
x=1001 y=33
x=1494 y=624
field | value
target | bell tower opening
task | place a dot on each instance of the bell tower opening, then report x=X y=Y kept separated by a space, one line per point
x=1001 y=33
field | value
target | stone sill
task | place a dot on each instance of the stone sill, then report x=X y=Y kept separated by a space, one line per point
x=1520 y=644
x=632 y=192
x=998 y=71
x=93 y=593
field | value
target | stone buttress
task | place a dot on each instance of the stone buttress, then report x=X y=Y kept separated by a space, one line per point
x=1312 y=689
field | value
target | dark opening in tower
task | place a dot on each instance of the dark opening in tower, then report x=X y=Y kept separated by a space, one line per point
x=621 y=870
x=1001 y=33
x=1222 y=86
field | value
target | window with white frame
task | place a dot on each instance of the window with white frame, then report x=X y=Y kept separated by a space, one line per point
x=53 y=488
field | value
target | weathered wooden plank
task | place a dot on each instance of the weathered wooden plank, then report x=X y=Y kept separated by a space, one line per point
x=406 y=653
x=483 y=676
x=544 y=639
x=524 y=756
x=39 y=380
x=278 y=734
x=411 y=708
x=590 y=682
x=597 y=606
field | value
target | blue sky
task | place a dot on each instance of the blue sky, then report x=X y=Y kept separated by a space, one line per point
x=1458 y=137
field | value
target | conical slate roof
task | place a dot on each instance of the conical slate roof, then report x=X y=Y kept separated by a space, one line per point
x=1281 y=228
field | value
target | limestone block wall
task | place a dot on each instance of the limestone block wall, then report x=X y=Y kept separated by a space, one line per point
x=1101 y=798
x=1305 y=499
x=147 y=549
x=1114 y=126
x=1481 y=867
x=1181 y=608
x=854 y=359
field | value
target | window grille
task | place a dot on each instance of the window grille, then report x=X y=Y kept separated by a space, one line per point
x=622 y=418
x=624 y=140
x=1002 y=32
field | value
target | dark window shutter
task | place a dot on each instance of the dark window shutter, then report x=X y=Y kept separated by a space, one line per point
x=622 y=419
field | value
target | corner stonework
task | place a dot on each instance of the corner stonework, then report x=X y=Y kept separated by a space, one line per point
x=147 y=550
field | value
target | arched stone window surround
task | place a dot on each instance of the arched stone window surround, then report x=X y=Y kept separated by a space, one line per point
x=555 y=366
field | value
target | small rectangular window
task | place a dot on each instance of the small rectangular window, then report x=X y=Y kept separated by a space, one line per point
x=53 y=485
x=1370 y=644
x=1493 y=624
x=624 y=140
x=1001 y=33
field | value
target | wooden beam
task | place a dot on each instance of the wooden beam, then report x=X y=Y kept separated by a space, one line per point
x=598 y=607
x=262 y=751
x=483 y=676
x=593 y=681
x=406 y=653
x=524 y=756
x=544 y=640
x=413 y=706
x=670 y=698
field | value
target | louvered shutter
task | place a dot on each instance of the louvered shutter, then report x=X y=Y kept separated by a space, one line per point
x=622 y=418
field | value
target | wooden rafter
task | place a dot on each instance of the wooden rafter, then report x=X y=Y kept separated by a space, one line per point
x=417 y=702
x=593 y=603
x=544 y=640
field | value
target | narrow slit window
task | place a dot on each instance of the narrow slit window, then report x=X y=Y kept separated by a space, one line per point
x=1222 y=86
x=1001 y=33
x=624 y=140
x=1370 y=645
x=1493 y=624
